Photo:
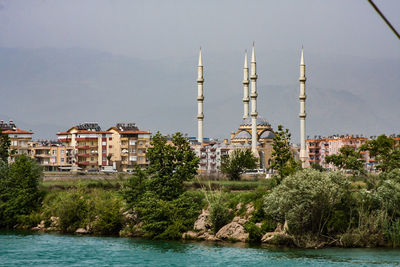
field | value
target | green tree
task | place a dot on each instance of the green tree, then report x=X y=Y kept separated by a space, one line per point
x=19 y=189
x=170 y=165
x=236 y=163
x=347 y=159
x=157 y=193
x=4 y=146
x=384 y=150
x=282 y=157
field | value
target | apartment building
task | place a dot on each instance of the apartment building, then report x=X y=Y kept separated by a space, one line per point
x=320 y=147
x=91 y=146
x=52 y=155
x=129 y=146
x=19 y=139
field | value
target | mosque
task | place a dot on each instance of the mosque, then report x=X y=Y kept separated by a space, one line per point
x=254 y=133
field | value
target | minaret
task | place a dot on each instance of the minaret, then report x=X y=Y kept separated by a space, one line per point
x=200 y=99
x=302 y=114
x=245 y=88
x=253 y=97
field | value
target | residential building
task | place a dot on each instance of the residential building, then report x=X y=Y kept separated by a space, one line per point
x=320 y=147
x=19 y=139
x=91 y=146
x=128 y=146
x=52 y=155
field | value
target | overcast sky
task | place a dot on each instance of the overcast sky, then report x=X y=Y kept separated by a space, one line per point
x=169 y=33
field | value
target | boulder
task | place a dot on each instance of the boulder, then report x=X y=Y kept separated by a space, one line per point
x=81 y=231
x=278 y=239
x=190 y=235
x=54 y=221
x=233 y=231
x=249 y=210
x=207 y=236
x=239 y=220
x=202 y=223
x=39 y=227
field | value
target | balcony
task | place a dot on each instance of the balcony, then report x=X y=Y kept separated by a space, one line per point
x=83 y=155
x=82 y=147
x=83 y=163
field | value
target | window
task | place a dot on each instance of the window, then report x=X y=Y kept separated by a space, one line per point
x=139 y=151
x=133 y=150
x=91 y=143
x=54 y=152
x=140 y=142
x=92 y=158
x=62 y=151
x=62 y=160
x=110 y=138
x=110 y=146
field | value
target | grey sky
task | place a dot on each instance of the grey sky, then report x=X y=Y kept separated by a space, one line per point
x=166 y=35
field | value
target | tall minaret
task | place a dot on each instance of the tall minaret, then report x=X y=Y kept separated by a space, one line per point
x=302 y=114
x=253 y=97
x=245 y=88
x=200 y=99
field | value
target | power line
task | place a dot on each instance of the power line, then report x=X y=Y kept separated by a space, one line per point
x=384 y=18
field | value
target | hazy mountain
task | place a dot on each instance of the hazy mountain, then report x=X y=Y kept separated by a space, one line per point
x=49 y=90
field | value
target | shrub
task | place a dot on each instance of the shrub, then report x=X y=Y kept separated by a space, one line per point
x=255 y=232
x=306 y=200
x=105 y=213
x=220 y=214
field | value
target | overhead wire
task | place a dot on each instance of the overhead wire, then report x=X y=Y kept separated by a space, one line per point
x=384 y=18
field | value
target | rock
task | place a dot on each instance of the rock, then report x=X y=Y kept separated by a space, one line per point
x=190 y=235
x=233 y=231
x=81 y=231
x=286 y=227
x=39 y=227
x=259 y=224
x=207 y=236
x=239 y=206
x=239 y=220
x=279 y=228
x=55 y=221
x=249 y=209
x=202 y=223
x=130 y=215
x=277 y=238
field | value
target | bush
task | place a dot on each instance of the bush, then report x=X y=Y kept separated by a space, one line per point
x=306 y=200
x=255 y=232
x=70 y=206
x=220 y=214
x=168 y=219
x=105 y=213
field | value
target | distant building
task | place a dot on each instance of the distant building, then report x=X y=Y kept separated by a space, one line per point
x=19 y=139
x=52 y=155
x=129 y=146
x=320 y=147
x=91 y=146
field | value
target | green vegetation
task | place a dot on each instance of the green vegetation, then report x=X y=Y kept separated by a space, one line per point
x=158 y=194
x=309 y=208
x=282 y=156
x=19 y=190
x=4 y=146
x=236 y=163
x=347 y=159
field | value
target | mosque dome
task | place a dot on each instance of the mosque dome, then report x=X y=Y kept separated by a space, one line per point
x=267 y=135
x=260 y=121
x=243 y=135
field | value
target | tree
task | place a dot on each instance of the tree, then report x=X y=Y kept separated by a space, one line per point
x=347 y=159
x=235 y=164
x=4 y=146
x=157 y=193
x=282 y=157
x=170 y=165
x=19 y=189
x=384 y=150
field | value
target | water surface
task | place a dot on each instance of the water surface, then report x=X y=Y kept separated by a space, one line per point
x=18 y=249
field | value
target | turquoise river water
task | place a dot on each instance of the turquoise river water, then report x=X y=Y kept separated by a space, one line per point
x=17 y=249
